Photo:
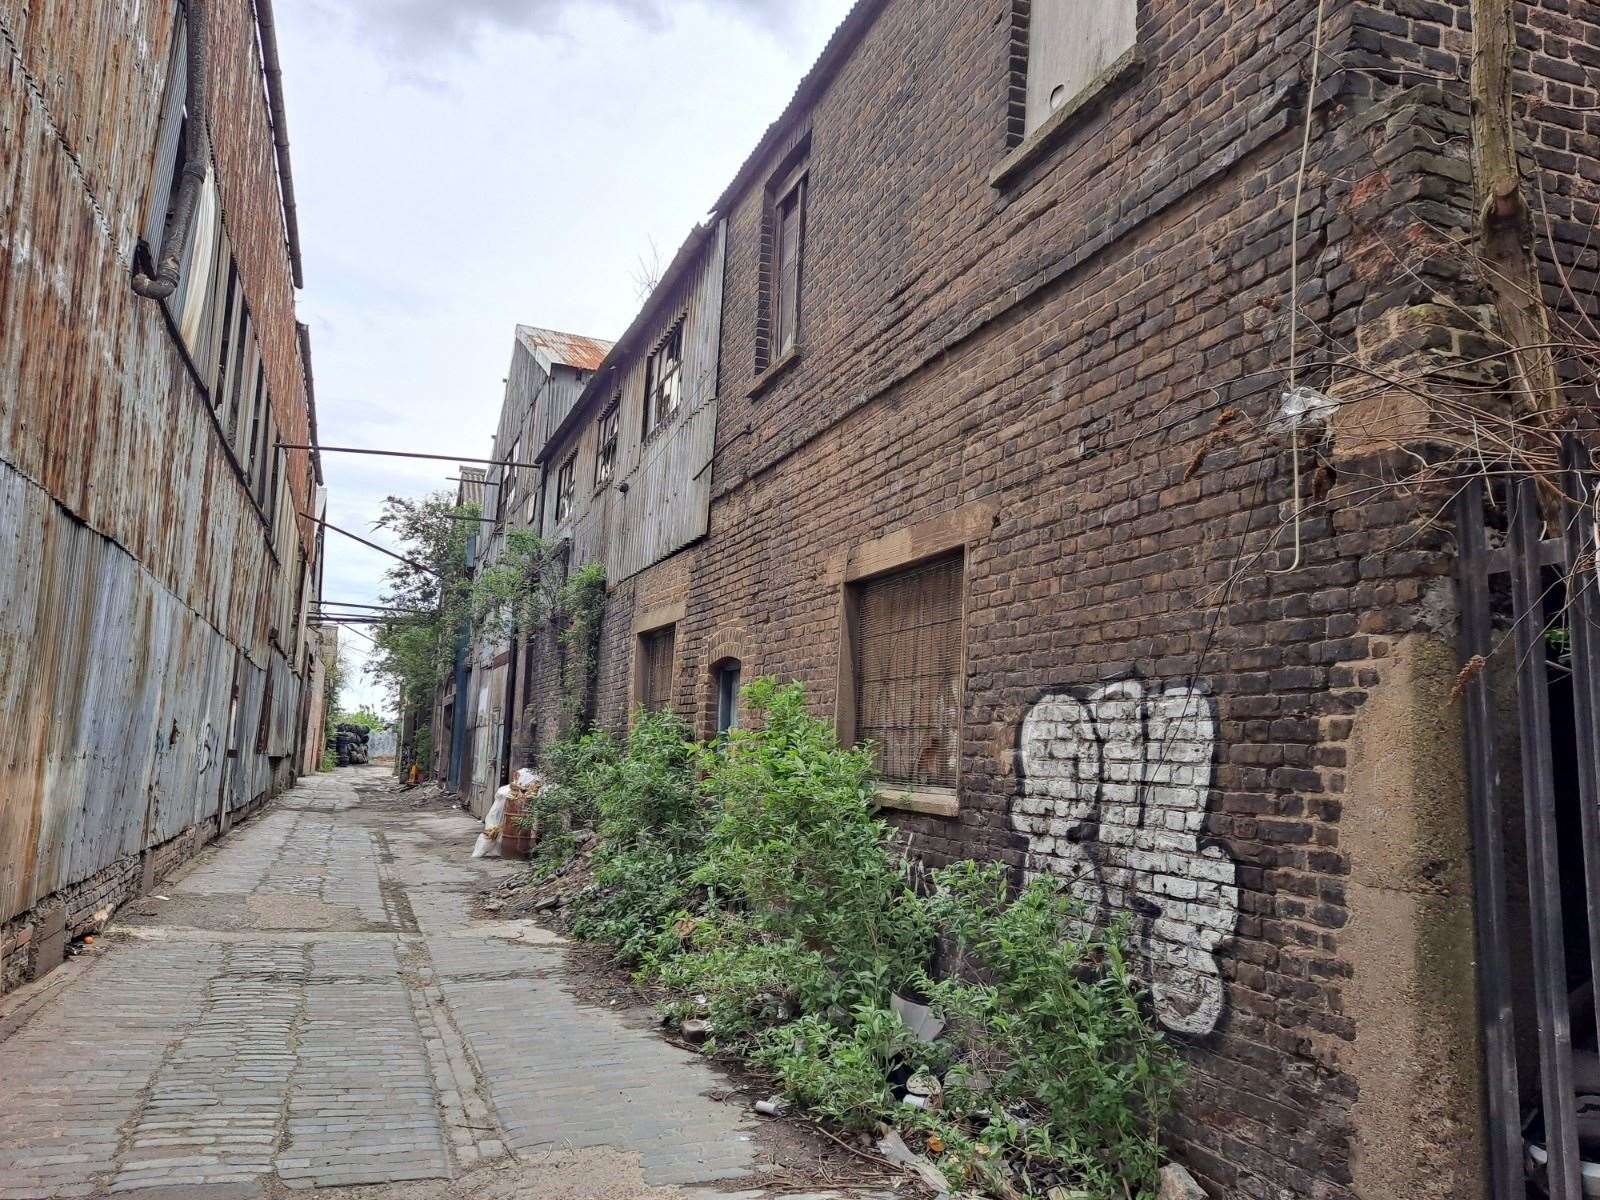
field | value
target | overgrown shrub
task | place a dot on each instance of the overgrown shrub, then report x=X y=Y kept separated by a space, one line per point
x=753 y=884
x=1046 y=1012
x=652 y=820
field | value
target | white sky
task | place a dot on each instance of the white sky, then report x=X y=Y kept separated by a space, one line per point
x=465 y=165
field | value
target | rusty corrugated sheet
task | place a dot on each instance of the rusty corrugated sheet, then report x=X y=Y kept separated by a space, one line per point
x=568 y=349
x=137 y=582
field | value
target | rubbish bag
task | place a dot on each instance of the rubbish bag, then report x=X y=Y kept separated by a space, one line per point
x=494 y=825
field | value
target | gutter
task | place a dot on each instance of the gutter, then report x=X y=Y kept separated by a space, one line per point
x=272 y=69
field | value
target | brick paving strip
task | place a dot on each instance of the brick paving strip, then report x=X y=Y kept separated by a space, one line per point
x=313 y=1005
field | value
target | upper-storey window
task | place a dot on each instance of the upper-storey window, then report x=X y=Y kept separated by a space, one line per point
x=783 y=255
x=664 y=380
x=513 y=474
x=605 y=461
x=565 y=489
x=1071 y=46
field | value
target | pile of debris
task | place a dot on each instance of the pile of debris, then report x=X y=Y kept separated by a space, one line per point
x=350 y=745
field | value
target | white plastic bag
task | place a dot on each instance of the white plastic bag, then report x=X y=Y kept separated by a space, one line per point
x=494 y=825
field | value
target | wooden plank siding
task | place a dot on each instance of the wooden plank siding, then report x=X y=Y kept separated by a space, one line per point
x=667 y=503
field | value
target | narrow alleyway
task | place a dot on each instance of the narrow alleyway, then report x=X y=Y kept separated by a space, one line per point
x=312 y=1004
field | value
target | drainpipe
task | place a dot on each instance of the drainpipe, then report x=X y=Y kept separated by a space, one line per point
x=196 y=154
x=273 y=70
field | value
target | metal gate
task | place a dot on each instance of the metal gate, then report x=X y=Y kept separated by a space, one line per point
x=1530 y=615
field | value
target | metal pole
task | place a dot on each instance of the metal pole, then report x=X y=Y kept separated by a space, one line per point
x=1544 y=855
x=1583 y=609
x=1488 y=864
x=455 y=458
x=410 y=562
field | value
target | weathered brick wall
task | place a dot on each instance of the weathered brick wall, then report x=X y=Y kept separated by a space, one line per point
x=1096 y=349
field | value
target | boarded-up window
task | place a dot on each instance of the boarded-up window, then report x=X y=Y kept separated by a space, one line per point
x=908 y=663
x=790 y=222
x=1070 y=45
x=656 y=652
x=782 y=259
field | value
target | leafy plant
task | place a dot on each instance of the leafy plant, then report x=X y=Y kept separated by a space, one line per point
x=753 y=884
x=430 y=592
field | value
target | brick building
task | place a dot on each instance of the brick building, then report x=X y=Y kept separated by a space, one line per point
x=155 y=567
x=1003 y=469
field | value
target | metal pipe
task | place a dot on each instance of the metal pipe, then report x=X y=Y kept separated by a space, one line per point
x=196 y=157
x=273 y=70
x=493 y=462
x=355 y=537
x=1489 y=868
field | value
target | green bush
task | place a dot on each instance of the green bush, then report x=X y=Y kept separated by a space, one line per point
x=752 y=883
x=1048 y=1010
x=797 y=845
x=652 y=821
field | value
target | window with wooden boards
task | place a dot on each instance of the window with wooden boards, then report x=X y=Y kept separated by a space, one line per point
x=907 y=656
x=657 y=652
x=1070 y=47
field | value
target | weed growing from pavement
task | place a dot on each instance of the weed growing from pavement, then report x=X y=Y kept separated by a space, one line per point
x=751 y=882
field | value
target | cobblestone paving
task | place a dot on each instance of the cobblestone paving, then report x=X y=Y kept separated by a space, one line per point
x=311 y=1004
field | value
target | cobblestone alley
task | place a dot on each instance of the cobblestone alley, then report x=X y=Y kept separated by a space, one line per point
x=312 y=1004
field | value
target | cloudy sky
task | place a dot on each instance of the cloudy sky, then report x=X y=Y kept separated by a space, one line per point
x=465 y=165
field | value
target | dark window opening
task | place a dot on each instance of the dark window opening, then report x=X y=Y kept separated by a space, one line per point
x=728 y=676
x=565 y=479
x=664 y=381
x=605 y=463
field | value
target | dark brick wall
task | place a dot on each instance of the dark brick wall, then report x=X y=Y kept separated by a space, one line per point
x=1096 y=348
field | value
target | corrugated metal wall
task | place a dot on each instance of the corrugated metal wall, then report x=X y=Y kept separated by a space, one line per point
x=114 y=705
x=668 y=501
x=138 y=582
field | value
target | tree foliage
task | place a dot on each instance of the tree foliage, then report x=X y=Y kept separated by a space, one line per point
x=431 y=593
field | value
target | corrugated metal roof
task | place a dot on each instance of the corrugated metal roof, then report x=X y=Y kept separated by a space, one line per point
x=471 y=489
x=569 y=349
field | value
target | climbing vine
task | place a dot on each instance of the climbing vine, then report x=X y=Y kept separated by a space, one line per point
x=526 y=589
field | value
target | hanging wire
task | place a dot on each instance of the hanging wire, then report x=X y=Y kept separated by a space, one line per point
x=1294 y=282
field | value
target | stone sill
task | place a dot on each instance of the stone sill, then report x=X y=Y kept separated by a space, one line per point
x=933 y=804
x=1061 y=122
x=774 y=370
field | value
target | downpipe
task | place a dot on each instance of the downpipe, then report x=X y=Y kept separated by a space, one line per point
x=196 y=155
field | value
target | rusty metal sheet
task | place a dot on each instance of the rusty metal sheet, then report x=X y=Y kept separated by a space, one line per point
x=568 y=349
x=138 y=579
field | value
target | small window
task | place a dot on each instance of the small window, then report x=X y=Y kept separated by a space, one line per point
x=565 y=479
x=530 y=515
x=1071 y=45
x=605 y=462
x=513 y=477
x=783 y=252
x=657 y=650
x=728 y=678
x=664 y=381
x=907 y=658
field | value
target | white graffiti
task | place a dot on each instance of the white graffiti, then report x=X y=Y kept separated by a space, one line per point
x=1114 y=799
